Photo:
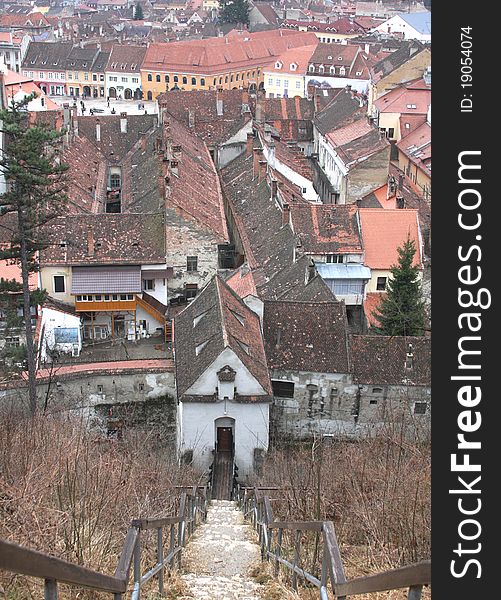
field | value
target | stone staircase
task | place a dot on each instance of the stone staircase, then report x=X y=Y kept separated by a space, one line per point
x=219 y=557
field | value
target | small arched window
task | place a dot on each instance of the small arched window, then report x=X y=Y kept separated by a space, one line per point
x=193 y=81
x=157 y=78
x=150 y=78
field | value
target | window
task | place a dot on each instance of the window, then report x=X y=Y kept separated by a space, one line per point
x=283 y=389
x=94 y=77
x=41 y=75
x=123 y=296
x=238 y=76
x=377 y=390
x=344 y=287
x=135 y=80
x=381 y=284
x=202 y=81
x=334 y=258
x=126 y=79
x=298 y=84
x=185 y=80
x=86 y=77
x=157 y=78
x=191 y=263
x=106 y=297
x=150 y=77
x=193 y=81
x=70 y=75
x=278 y=82
x=167 y=79
x=420 y=408
x=114 y=296
x=176 y=78
x=286 y=83
x=12 y=341
x=98 y=297
x=99 y=389
x=148 y=284
x=59 y=283
x=190 y=290
x=270 y=81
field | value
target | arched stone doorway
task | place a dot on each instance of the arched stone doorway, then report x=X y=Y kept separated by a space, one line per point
x=128 y=94
x=112 y=93
x=252 y=87
x=150 y=95
x=261 y=86
x=86 y=91
x=138 y=94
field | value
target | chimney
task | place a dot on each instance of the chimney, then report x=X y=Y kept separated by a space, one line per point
x=259 y=107
x=123 y=122
x=409 y=358
x=98 y=131
x=262 y=169
x=75 y=127
x=367 y=48
x=144 y=143
x=274 y=188
x=250 y=143
x=90 y=243
x=279 y=335
x=310 y=271
x=286 y=213
x=219 y=107
x=191 y=118
x=256 y=157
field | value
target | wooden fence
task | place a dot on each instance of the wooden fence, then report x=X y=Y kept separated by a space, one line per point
x=174 y=530
x=326 y=565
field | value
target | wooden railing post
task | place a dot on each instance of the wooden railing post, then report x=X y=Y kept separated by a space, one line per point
x=137 y=568
x=415 y=592
x=50 y=589
x=172 y=543
x=278 y=551
x=297 y=542
x=160 y=559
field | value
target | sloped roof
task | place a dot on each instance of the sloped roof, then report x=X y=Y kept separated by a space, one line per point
x=384 y=231
x=115 y=239
x=212 y=127
x=219 y=328
x=417 y=147
x=379 y=359
x=196 y=189
x=126 y=58
x=420 y=21
x=396 y=59
x=306 y=336
x=297 y=56
x=343 y=108
x=327 y=228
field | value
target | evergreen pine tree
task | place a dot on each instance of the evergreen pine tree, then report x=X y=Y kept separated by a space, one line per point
x=402 y=311
x=138 y=12
x=35 y=194
x=234 y=11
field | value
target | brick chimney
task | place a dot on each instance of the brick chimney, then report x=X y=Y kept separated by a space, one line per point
x=98 y=131
x=262 y=169
x=286 y=213
x=191 y=118
x=90 y=243
x=256 y=157
x=250 y=143
x=274 y=188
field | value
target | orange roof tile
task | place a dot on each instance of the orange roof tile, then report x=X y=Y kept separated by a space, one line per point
x=242 y=282
x=371 y=303
x=298 y=56
x=350 y=132
x=384 y=231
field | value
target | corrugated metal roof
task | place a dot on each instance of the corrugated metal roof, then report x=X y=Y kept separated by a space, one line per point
x=342 y=271
x=106 y=280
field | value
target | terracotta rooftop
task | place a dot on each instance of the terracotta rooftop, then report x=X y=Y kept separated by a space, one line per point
x=242 y=282
x=326 y=228
x=417 y=147
x=126 y=58
x=217 y=319
x=371 y=302
x=300 y=57
x=195 y=189
x=384 y=231
x=217 y=55
x=118 y=239
x=306 y=336
x=214 y=125
x=343 y=26
x=406 y=99
x=381 y=360
x=10 y=270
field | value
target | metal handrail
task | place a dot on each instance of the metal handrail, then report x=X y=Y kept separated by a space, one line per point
x=256 y=505
x=192 y=510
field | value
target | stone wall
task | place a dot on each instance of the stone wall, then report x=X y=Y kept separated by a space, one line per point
x=331 y=404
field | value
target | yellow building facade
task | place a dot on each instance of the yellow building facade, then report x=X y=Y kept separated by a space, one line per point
x=157 y=82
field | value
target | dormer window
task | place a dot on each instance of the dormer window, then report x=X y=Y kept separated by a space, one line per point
x=238 y=317
x=244 y=347
x=342 y=70
x=199 y=317
x=311 y=68
x=293 y=66
x=332 y=70
x=329 y=58
x=411 y=106
x=359 y=73
x=321 y=69
x=278 y=65
x=200 y=347
x=340 y=58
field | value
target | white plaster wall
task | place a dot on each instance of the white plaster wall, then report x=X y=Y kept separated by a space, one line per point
x=397 y=25
x=245 y=382
x=52 y=319
x=310 y=194
x=47 y=282
x=151 y=323
x=256 y=305
x=197 y=431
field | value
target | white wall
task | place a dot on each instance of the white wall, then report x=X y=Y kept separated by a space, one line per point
x=245 y=383
x=51 y=320
x=198 y=433
x=305 y=184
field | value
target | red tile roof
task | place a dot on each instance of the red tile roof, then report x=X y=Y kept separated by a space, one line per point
x=371 y=303
x=384 y=231
x=218 y=55
x=12 y=271
x=417 y=147
x=343 y=26
x=196 y=189
x=326 y=228
x=401 y=99
x=242 y=282
x=298 y=56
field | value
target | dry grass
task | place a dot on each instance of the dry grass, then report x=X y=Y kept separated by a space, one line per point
x=69 y=492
